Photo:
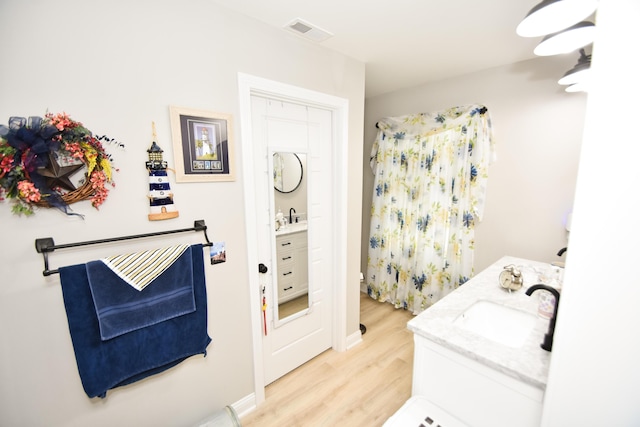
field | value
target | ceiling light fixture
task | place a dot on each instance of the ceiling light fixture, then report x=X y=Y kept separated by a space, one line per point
x=574 y=37
x=551 y=16
x=579 y=73
x=578 y=87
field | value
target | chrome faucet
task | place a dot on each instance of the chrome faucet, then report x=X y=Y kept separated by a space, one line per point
x=291 y=216
x=547 y=343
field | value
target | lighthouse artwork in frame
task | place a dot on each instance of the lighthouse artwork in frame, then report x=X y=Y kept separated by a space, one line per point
x=203 y=145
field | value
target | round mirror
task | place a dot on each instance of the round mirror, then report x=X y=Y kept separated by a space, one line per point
x=287 y=172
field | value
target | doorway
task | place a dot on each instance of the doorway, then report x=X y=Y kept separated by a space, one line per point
x=292 y=146
x=335 y=187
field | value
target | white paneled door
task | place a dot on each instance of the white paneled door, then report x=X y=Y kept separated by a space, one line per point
x=282 y=126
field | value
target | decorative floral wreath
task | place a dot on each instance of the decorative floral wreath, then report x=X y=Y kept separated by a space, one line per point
x=38 y=156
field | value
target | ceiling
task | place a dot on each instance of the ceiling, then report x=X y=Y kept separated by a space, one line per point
x=405 y=43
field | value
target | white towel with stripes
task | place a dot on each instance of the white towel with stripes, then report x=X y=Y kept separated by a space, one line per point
x=139 y=269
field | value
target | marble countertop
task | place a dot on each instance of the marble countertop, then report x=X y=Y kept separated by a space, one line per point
x=529 y=363
x=292 y=228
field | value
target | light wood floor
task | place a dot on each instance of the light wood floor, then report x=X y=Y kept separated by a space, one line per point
x=295 y=305
x=360 y=387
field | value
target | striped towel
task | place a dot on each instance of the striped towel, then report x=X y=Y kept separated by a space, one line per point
x=141 y=268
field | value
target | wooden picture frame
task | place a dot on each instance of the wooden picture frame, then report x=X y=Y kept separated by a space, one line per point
x=202 y=145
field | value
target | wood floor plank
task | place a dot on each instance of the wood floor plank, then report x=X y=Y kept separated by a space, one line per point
x=360 y=387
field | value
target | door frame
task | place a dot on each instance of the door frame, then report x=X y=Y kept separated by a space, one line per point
x=251 y=85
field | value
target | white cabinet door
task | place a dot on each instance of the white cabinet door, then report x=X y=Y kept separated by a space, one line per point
x=474 y=393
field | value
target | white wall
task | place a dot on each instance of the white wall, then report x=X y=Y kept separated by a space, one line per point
x=117 y=66
x=594 y=377
x=537 y=129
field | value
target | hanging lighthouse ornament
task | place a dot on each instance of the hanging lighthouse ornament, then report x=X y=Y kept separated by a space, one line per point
x=160 y=195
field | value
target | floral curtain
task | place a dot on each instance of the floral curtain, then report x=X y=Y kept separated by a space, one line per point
x=431 y=174
x=278 y=167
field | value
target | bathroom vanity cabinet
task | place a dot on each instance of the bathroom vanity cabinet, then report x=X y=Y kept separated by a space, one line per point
x=480 y=381
x=472 y=391
x=293 y=268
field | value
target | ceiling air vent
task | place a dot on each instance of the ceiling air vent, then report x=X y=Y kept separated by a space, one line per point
x=308 y=31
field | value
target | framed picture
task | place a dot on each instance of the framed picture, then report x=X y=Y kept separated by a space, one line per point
x=202 y=145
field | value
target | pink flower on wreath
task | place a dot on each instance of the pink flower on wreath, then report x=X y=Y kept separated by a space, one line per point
x=29 y=192
x=6 y=164
x=74 y=149
x=98 y=180
x=61 y=121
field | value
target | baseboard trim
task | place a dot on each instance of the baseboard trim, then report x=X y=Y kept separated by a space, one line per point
x=354 y=339
x=245 y=405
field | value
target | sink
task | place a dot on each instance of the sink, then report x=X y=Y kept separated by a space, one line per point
x=292 y=228
x=499 y=323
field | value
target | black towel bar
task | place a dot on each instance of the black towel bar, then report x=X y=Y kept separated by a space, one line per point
x=46 y=244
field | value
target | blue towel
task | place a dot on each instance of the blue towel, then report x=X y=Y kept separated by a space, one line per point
x=104 y=365
x=122 y=308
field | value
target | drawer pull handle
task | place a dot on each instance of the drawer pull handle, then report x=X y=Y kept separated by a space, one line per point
x=287 y=273
x=285 y=244
x=286 y=258
x=289 y=288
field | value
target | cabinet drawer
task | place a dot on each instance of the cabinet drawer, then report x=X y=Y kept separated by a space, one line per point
x=285 y=258
x=285 y=243
x=286 y=288
x=287 y=272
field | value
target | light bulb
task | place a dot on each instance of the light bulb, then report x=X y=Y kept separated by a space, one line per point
x=577 y=87
x=576 y=77
x=551 y=16
x=566 y=41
